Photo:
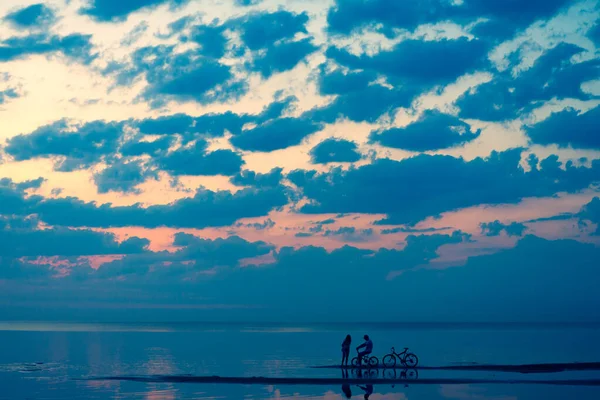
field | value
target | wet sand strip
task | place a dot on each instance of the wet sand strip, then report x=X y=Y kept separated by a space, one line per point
x=524 y=368
x=334 y=381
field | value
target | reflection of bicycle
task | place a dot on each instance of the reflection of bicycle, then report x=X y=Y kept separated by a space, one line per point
x=411 y=374
x=366 y=374
x=367 y=360
x=406 y=359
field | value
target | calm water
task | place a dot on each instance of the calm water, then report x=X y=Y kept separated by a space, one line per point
x=53 y=361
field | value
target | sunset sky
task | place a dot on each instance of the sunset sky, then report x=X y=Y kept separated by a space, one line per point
x=300 y=159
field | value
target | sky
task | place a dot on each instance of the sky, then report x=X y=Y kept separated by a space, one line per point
x=340 y=160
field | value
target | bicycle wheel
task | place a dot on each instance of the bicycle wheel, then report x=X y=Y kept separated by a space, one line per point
x=355 y=362
x=389 y=361
x=373 y=362
x=411 y=360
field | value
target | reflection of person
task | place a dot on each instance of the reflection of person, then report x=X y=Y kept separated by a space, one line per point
x=368 y=348
x=347 y=391
x=346 y=349
x=368 y=390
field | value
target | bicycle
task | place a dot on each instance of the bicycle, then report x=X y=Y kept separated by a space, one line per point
x=367 y=359
x=406 y=359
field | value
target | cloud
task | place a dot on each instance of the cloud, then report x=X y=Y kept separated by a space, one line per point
x=262 y=30
x=413 y=189
x=347 y=16
x=22 y=238
x=197 y=160
x=251 y=178
x=594 y=34
x=194 y=255
x=259 y=226
x=334 y=150
x=75 y=46
x=135 y=34
x=591 y=212
x=350 y=234
x=115 y=10
x=30 y=184
x=495 y=228
x=282 y=57
x=276 y=134
x=187 y=76
x=432 y=131
x=135 y=147
x=553 y=75
x=568 y=128
x=76 y=145
x=206 y=208
x=8 y=94
x=123 y=176
x=359 y=98
x=33 y=16
x=246 y=3
x=423 y=64
x=402 y=229
x=211 y=38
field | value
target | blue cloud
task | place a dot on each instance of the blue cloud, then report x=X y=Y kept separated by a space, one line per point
x=246 y=3
x=423 y=64
x=8 y=94
x=552 y=76
x=495 y=228
x=568 y=128
x=358 y=97
x=413 y=189
x=276 y=134
x=116 y=10
x=206 y=208
x=282 y=57
x=211 y=38
x=76 y=149
x=30 y=184
x=432 y=131
x=594 y=34
x=136 y=148
x=303 y=235
x=335 y=150
x=350 y=234
x=403 y=229
x=347 y=15
x=75 y=46
x=122 y=176
x=187 y=76
x=251 y=178
x=211 y=124
x=385 y=15
x=197 y=160
x=22 y=238
x=262 y=30
x=591 y=212
x=33 y=16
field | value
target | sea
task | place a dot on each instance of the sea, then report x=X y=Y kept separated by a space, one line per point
x=70 y=360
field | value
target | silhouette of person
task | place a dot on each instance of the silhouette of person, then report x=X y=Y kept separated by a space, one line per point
x=346 y=390
x=368 y=349
x=346 y=349
x=368 y=389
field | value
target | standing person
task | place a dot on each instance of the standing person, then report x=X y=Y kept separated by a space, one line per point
x=346 y=350
x=368 y=349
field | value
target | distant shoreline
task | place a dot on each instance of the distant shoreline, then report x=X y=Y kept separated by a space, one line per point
x=333 y=381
